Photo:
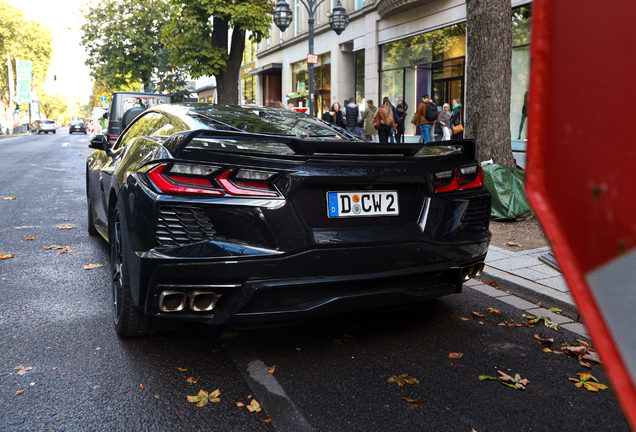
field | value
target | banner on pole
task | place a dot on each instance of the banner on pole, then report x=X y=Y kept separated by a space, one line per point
x=24 y=71
x=11 y=82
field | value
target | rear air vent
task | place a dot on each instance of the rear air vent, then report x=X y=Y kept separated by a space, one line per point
x=179 y=226
x=478 y=213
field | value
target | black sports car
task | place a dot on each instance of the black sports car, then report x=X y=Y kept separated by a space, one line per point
x=249 y=215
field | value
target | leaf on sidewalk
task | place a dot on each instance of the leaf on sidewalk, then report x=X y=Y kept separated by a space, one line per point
x=19 y=392
x=271 y=370
x=6 y=256
x=479 y=315
x=53 y=247
x=66 y=226
x=465 y=319
x=493 y=310
x=415 y=402
x=512 y=244
x=93 y=266
x=516 y=383
x=543 y=341
x=455 y=355
x=203 y=397
x=240 y=404
x=9 y=198
x=546 y=320
x=402 y=379
x=192 y=380
x=555 y=310
x=267 y=420
x=30 y=238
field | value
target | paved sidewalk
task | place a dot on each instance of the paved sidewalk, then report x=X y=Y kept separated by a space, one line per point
x=524 y=280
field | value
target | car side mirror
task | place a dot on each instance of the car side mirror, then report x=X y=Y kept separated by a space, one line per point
x=100 y=142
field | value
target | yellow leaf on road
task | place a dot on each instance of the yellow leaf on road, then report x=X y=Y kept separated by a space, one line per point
x=6 y=256
x=93 y=266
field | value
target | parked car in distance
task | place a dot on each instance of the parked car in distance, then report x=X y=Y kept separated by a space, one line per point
x=254 y=216
x=45 y=126
x=126 y=106
x=77 y=126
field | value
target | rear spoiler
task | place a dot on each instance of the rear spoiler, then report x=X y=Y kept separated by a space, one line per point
x=309 y=147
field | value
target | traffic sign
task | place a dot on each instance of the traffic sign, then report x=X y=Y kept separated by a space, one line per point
x=103 y=98
x=579 y=176
x=312 y=59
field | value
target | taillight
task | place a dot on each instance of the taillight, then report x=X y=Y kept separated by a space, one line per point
x=182 y=184
x=460 y=179
x=112 y=138
x=254 y=188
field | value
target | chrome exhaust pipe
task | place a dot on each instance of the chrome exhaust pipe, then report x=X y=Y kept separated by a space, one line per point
x=478 y=269
x=201 y=301
x=467 y=273
x=172 y=301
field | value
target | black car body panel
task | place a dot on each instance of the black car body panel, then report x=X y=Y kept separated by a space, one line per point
x=281 y=257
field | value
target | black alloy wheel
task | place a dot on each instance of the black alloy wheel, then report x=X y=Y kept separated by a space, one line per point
x=91 y=225
x=128 y=320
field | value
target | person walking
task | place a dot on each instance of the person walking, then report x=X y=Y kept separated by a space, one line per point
x=370 y=131
x=337 y=117
x=387 y=121
x=444 y=121
x=457 y=120
x=401 y=110
x=395 y=116
x=326 y=115
x=352 y=116
x=278 y=104
x=425 y=116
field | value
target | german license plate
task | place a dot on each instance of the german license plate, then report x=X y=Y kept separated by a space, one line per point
x=367 y=203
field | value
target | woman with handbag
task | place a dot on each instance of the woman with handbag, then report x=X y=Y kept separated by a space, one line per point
x=444 y=121
x=457 y=123
x=386 y=121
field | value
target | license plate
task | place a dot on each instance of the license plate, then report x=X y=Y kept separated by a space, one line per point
x=367 y=203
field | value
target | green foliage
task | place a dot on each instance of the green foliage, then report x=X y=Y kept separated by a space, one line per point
x=197 y=35
x=124 y=47
x=24 y=40
x=52 y=106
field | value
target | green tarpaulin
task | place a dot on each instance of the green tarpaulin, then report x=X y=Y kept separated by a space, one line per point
x=509 y=201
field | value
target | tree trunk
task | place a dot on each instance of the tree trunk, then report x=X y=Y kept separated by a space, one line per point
x=227 y=81
x=488 y=78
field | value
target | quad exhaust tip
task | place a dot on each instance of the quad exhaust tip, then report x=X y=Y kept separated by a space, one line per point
x=172 y=301
x=201 y=301
x=472 y=271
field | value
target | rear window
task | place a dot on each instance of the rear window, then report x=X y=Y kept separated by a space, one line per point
x=141 y=101
x=269 y=121
x=77 y=123
x=47 y=122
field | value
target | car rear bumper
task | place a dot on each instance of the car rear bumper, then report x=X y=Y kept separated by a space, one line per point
x=314 y=282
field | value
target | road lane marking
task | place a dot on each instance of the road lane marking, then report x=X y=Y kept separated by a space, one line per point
x=266 y=388
x=65 y=144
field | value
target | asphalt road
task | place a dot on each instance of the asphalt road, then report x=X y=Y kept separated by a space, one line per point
x=330 y=374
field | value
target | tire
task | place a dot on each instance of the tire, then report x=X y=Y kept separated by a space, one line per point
x=54 y=131
x=128 y=320
x=91 y=226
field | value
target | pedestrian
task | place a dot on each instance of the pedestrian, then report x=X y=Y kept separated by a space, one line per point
x=395 y=116
x=338 y=117
x=444 y=121
x=457 y=122
x=370 y=132
x=387 y=121
x=279 y=104
x=290 y=106
x=425 y=116
x=401 y=110
x=352 y=115
x=326 y=115
x=432 y=130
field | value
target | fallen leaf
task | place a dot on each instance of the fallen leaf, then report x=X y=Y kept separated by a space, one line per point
x=30 y=238
x=141 y=385
x=401 y=379
x=465 y=319
x=22 y=370
x=546 y=320
x=587 y=381
x=54 y=369
x=240 y=404
x=494 y=283
x=267 y=420
x=493 y=310
x=23 y=227
x=216 y=351
x=53 y=247
x=513 y=244
x=298 y=349
x=203 y=397
x=182 y=369
x=271 y=370
x=6 y=256
x=254 y=406
x=539 y=303
x=229 y=334
x=192 y=380
x=455 y=355
x=416 y=402
x=93 y=266
x=585 y=364
x=477 y=314
x=555 y=310
x=543 y=341
x=69 y=219
x=19 y=392
x=546 y=350
x=9 y=198
x=505 y=379
x=66 y=226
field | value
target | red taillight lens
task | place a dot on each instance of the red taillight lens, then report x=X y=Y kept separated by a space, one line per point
x=185 y=185
x=245 y=188
x=461 y=179
x=113 y=138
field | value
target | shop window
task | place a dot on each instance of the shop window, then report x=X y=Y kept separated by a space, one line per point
x=322 y=84
x=248 y=91
x=521 y=32
x=359 y=76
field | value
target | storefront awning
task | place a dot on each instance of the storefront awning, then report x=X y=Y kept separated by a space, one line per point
x=270 y=69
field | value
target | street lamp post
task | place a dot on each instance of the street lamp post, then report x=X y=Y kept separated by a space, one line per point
x=338 y=20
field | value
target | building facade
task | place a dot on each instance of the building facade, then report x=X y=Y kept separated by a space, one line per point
x=401 y=49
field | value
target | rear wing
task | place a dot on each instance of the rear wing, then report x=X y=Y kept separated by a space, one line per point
x=309 y=147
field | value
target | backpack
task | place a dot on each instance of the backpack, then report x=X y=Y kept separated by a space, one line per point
x=431 y=113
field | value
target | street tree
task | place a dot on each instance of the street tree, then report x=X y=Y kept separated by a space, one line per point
x=208 y=37
x=123 y=41
x=52 y=105
x=488 y=78
x=24 y=40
